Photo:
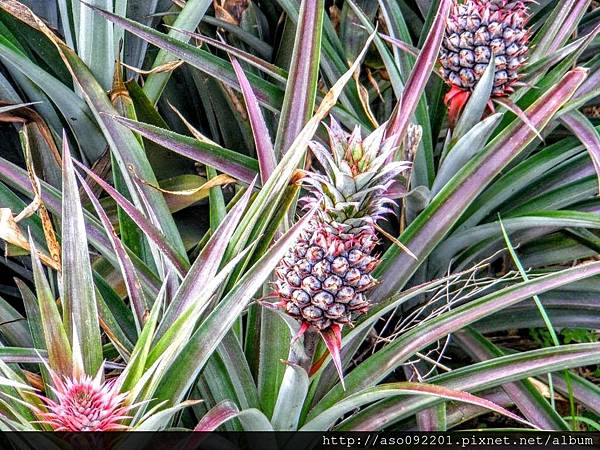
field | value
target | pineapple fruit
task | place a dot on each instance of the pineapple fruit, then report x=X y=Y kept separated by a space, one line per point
x=476 y=31
x=324 y=279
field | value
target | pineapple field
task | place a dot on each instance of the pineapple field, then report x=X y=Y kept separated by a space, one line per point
x=300 y=215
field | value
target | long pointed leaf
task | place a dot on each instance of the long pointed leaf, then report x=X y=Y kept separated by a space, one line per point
x=207 y=263
x=264 y=147
x=79 y=297
x=217 y=415
x=267 y=93
x=132 y=283
x=562 y=23
x=581 y=127
x=232 y=163
x=301 y=87
x=529 y=401
x=18 y=179
x=55 y=336
x=269 y=69
x=154 y=234
x=187 y=19
x=421 y=71
x=327 y=418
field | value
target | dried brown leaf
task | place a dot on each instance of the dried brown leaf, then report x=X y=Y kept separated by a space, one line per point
x=47 y=225
x=12 y=234
x=167 y=67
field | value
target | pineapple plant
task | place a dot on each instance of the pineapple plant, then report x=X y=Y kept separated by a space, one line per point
x=163 y=169
x=84 y=403
x=325 y=278
x=478 y=31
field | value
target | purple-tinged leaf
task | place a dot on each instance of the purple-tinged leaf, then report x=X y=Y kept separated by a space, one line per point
x=590 y=88
x=80 y=311
x=514 y=108
x=132 y=283
x=557 y=29
x=328 y=417
x=429 y=228
x=268 y=68
x=301 y=87
x=12 y=355
x=153 y=233
x=217 y=416
x=408 y=48
x=232 y=163
x=55 y=336
x=578 y=46
x=459 y=413
x=397 y=190
x=569 y=25
x=264 y=147
x=207 y=263
x=332 y=337
x=539 y=224
x=526 y=315
x=433 y=419
x=406 y=106
x=581 y=127
x=182 y=328
x=525 y=396
x=586 y=392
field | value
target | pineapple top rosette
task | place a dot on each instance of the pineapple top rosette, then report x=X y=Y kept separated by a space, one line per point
x=476 y=31
x=324 y=279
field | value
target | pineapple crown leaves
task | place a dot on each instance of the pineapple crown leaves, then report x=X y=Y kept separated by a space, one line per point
x=83 y=402
x=357 y=175
x=103 y=407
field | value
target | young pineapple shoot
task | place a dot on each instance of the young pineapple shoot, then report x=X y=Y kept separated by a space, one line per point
x=324 y=280
x=476 y=31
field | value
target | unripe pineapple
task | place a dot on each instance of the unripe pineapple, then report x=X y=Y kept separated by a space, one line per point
x=324 y=280
x=476 y=31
